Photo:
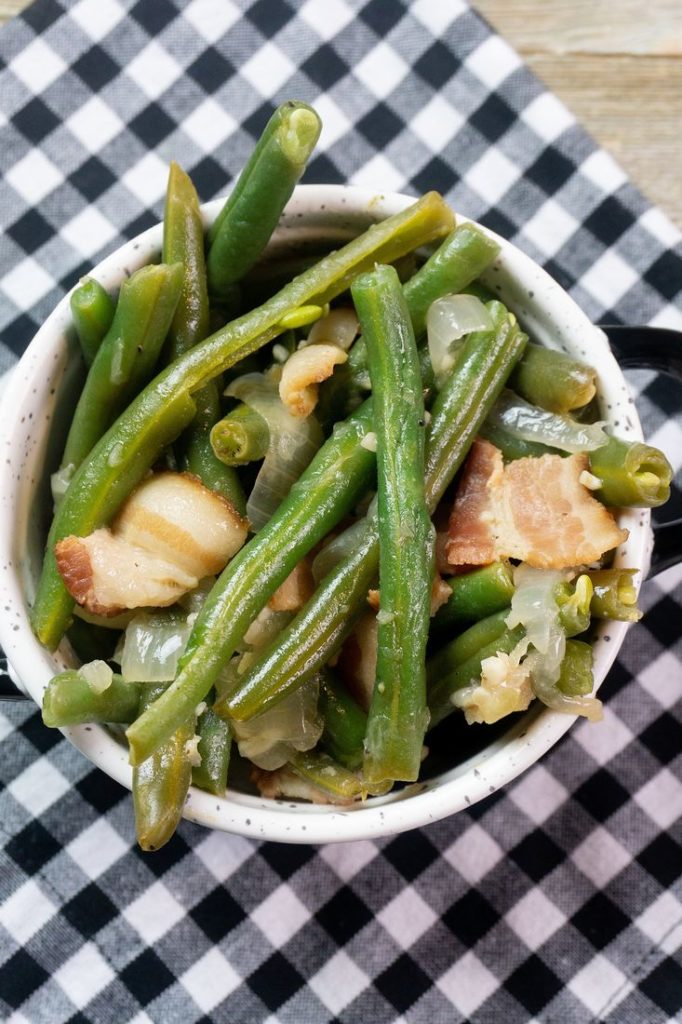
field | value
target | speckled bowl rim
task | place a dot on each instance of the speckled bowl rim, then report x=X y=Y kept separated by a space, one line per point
x=547 y=312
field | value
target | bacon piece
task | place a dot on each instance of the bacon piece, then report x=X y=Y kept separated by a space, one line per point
x=440 y=593
x=297 y=588
x=302 y=373
x=533 y=509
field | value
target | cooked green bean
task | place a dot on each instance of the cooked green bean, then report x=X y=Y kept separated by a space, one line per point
x=574 y=603
x=345 y=723
x=475 y=595
x=321 y=771
x=183 y=242
x=615 y=595
x=426 y=220
x=215 y=742
x=126 y=358
x=70 y=700
x=553 y=380
x=241 y=437
x=92 y=309
x=318 y=630
x=160 y=783
x=632 y=474
x=243 y=227
x=398 y=717
x=576 y=678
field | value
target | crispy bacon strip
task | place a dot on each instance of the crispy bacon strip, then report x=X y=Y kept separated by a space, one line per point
x=533 y=509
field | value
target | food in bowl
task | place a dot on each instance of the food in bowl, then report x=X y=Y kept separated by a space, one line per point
x=283 y=649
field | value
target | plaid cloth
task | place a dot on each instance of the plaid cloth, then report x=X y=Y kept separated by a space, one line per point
x=559 y=899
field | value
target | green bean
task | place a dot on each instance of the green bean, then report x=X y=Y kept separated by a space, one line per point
x=250 y=215
x=576 y=678
x=319 y=629
x=462 y=665
x=92 y=309
x=345 y=723
x=215 y=742
x=553 y=380
x=574 y=603
x=632 y=474
x=321 y=771
x=161 y=782
x=125 y=360
x=615 y=595
x=475 y=595
x=70 y=700
x=183 y=242
x=398 y=717
x=241 y=437
x=426 y=220
x=95 y=494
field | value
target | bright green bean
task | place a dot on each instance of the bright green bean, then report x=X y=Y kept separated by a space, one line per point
x=553 y=380
x=215 y=742
x=576 y=678
x=70 y=700
x=632 y=474
x=345 y=723
x=92 y=309
x=615 y=595
x=241 y=437
x=321 y=771
x=475 y=595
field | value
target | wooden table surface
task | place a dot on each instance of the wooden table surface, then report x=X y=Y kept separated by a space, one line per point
x=618 y=66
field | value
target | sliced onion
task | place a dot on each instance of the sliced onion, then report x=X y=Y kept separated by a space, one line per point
x=340 y=327
x=97 y=674
x=152 y=645
x=449 y=319
x=293 y=443
x=292 y=724
x=529 y=423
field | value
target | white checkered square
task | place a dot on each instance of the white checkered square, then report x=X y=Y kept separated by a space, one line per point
x=267 y=70
x=381 y=70
x=154 y=913
x=339 y=982
x=208 y=125
x=348 y=859
x=538 y=794
x=661 y=798
x=211 y=18
x=661 y=678
x=603 y=171
x=436 y=123
x=25 y=911
x=153 y=70
x=474 y=854
x=492 y=175
x=147 y=179
x=407 y=917
x=96 y=848
x=97 y=22
x=600 y=857
x=84 y=975
x=550 y=227
x=88 y=232
x=535 y=918
x=335 y=124
x=379 y=173
x=493 y=61
x=280 y=915
x=222 y=854
x=467 y=984
x=604 y=740
x=326 y=17
x=609 y=278
x=547 y=116
x=661 y=227
x=34 y=176
x=669 y=316
x=600 y=984
x=39 y=786
x=94 y=124
x=37 y=66
x=436 y=15
x=210 y=980
x=660 y=918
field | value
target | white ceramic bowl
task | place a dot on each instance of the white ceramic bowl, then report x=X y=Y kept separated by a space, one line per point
x=33 y=417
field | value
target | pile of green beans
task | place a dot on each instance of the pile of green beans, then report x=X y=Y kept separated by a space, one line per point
x=156 y=373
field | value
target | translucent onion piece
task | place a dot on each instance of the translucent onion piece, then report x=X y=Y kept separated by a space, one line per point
x=292 y=724
x=448 y=320
x=97 y=674
x=60 y=481
x=529 y=423
x=340 y=327
x=293 y=443
x=546 y=690
x=152 y=645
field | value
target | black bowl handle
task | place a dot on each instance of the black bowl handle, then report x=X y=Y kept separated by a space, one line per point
x=652 y=348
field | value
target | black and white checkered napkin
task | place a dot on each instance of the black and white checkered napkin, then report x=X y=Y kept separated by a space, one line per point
x=559 y=899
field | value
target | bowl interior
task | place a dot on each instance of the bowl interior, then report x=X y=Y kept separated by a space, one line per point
x=465 y=763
